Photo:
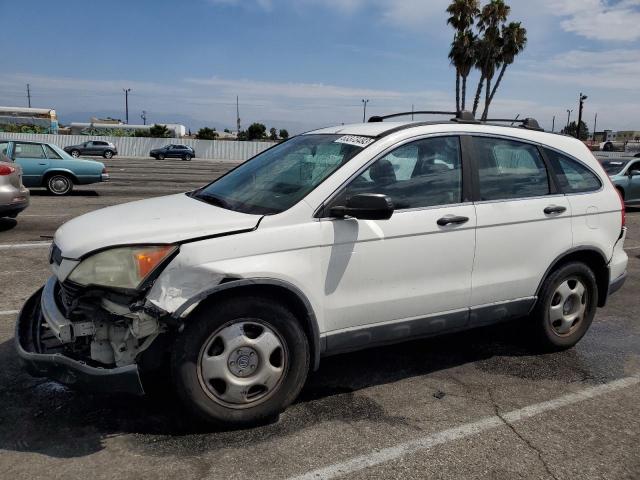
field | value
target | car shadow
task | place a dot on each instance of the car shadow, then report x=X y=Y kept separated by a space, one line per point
x=42 y=416
x=7 y=224
x=73 y=193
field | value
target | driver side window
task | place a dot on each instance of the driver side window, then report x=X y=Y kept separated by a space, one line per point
x=424 y=173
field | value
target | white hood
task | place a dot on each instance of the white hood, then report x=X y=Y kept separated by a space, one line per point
x=169 y=219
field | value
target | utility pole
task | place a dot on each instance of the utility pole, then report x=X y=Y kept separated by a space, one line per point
x=581 y=105
x=28 y=96
x=553 y=124
x=412 y=112
x=595 y=124
x=364 y=113
x=144 y=117
x=238 y=113
x=568 y=117
x=126 y=104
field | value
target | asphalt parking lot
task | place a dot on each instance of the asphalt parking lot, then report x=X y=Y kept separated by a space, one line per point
x=475 y=405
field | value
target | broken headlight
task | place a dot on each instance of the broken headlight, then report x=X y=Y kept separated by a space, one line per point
x=121 y=267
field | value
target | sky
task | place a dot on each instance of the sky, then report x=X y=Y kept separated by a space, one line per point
x=302 y=64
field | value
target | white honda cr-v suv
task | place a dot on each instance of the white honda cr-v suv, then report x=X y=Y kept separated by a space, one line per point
x=335 y=240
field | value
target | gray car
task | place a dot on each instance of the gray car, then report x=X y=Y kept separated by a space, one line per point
x=14 y=197
x=98 y=148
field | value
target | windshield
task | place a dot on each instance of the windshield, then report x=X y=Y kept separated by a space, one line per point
x=613 y=167
x=280 y=177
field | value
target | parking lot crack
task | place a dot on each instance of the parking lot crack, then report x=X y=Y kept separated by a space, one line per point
x=527 y=442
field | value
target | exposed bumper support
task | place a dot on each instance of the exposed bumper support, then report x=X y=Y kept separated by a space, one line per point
x=61 y=368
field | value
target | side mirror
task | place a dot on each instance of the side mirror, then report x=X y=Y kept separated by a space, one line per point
x=365 y=206
x=633 y=173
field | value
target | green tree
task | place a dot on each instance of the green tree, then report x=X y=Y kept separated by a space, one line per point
x=159 y=131
x=256 y=131
x=572 y=128
x=283 y=134
x=226 y=130
x=490 y=20
x=462 y=17
x=242 y=136
x=514 y=40
x=207 y=133
x=273 y=134
x=141 y=133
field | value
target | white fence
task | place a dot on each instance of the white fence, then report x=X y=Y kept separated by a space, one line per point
x=140 y=146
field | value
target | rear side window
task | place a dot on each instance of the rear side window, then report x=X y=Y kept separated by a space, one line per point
x=4 y=148
x=509 y=169
x=28 y=150
x=573 y=177
x=51 y=153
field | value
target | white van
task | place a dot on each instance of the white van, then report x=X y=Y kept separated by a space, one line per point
x=335 y=240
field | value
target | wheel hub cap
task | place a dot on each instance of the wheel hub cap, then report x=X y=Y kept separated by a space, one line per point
x=243 y=362
x=568 y=307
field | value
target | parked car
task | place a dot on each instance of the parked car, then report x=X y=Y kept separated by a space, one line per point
x=336 y=240
x=14 y=196
x=625 y=175
x=47 y=165
x=184 y=152
x=95 y=147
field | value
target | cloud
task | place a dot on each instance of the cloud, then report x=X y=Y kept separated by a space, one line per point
x=599 y=19
x=266 y=5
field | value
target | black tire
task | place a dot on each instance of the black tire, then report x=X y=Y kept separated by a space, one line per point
x=546 y=334
x=75 y=153
x=621 y=192
x=187 y=157
x=59 y=184
x=203 y=326
x=108 y=154
x=160 y=156
x=608 y=147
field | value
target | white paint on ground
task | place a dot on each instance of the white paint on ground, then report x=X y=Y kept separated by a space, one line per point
x=632 y=248
x=9 y=312
x=19 y=246
x=384 y=455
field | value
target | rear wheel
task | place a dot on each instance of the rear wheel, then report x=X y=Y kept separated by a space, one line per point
x=161 y=156
x=241 y=362
x=566 y=306
x=608 y=147
x=59 y=184
x=108 y=154
x=75 y=153
x=187 y=157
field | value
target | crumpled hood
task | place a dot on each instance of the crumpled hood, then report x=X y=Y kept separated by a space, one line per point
x=169 y=219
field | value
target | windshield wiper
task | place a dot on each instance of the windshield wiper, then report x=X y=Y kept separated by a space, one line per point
x=214 y=200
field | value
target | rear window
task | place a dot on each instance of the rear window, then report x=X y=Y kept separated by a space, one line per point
x=613 y=167
x=573 y=176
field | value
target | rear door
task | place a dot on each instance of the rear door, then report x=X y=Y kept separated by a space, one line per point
x=32 y=159
x=524 y=224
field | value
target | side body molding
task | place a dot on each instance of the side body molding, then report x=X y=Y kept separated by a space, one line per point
x=310 y=323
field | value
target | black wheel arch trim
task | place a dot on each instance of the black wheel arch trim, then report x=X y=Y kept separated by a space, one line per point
x=603 y=293
x=311 y=320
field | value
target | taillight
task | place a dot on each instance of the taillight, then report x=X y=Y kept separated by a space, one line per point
x=6 y=170
x=104 y=170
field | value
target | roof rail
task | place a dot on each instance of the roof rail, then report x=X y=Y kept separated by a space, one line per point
x=528 y=123
x=381 y=118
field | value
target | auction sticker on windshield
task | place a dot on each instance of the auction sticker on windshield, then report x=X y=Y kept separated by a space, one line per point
x=355 y=140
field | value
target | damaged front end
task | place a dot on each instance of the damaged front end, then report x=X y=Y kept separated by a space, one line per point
x=87 y=337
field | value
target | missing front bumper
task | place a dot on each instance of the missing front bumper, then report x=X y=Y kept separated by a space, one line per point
x=63 y=369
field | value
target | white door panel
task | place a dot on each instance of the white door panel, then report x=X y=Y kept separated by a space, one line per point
x=515 y=244
x=404 y=267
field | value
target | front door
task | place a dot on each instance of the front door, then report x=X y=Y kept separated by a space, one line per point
x=34 y=162
x=409 y=275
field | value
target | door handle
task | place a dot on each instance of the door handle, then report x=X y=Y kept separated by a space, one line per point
x=452 y=220
x=42 y=164
x=553 y=209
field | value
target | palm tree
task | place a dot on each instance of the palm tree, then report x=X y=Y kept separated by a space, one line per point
x=491 y=17
x=514 y=40
x=462 y=17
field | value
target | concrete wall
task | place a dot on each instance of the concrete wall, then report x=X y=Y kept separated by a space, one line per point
x=140 y=146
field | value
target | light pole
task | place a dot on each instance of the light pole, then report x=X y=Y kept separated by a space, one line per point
x=582 y=99
x=568 y=117
x=553 y=124
x=126 y=104
x=364 y=113
x=144 y=117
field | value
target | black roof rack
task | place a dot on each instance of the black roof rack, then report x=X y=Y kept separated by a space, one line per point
x=528 y=123
x=381 y=118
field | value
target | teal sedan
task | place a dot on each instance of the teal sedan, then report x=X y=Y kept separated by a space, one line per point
x=47 y=165
x=625 y=175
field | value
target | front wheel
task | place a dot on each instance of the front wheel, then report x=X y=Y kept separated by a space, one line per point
x=75 y=153
x=161 y=157
x=187 y=157
x=608 y=147
x=240 y=362
x=108 y=154
x=59 y=184
x=566 y=306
